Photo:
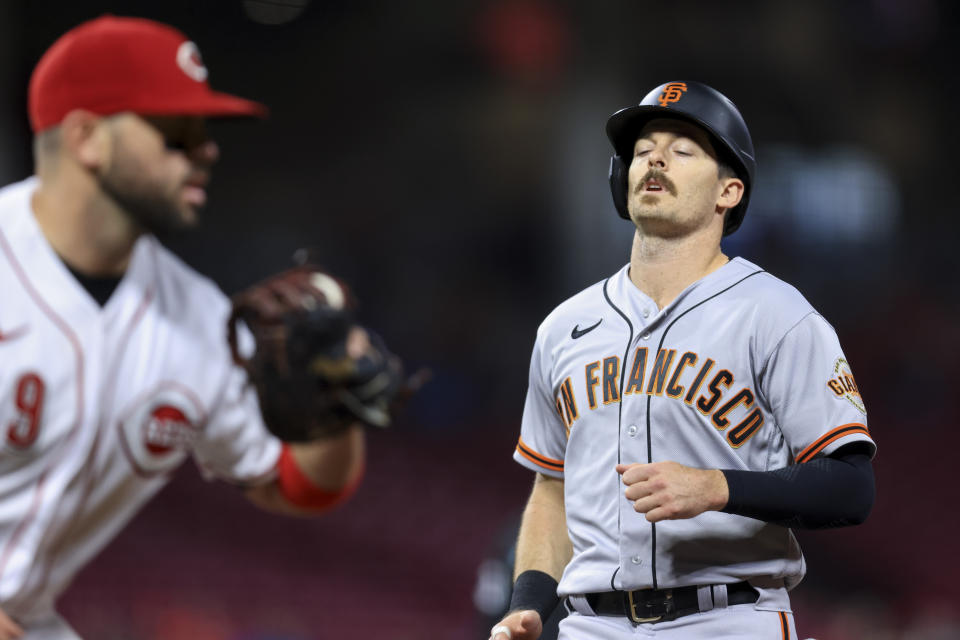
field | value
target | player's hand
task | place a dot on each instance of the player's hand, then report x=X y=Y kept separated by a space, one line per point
x=520 y=625
x=9 y=630
x=671 y=491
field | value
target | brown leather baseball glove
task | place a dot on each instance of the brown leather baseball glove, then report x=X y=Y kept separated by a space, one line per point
x=315 y=371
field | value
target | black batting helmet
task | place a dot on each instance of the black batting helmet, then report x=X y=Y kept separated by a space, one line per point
x=697 y=103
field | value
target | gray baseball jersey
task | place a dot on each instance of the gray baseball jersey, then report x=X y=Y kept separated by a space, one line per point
x=738 y=372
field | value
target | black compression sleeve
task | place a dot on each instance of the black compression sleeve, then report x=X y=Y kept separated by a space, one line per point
x=826 y=492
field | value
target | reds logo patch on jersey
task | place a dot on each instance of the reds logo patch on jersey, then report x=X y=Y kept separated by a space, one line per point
x=160 y=428
x=730 y=375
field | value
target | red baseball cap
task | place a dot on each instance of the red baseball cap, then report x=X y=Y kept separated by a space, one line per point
x=114 y=64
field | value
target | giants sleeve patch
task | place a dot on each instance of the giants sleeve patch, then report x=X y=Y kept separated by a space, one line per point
x=843 y=386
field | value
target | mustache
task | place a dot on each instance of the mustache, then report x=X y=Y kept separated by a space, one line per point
x=660 y=177
x=198 y=176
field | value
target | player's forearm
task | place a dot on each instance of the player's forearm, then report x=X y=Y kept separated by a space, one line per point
x=332 y=463
x=9 y=630
x=543 y=551
x=543 y=543
x=314 y=477
x=823 y=493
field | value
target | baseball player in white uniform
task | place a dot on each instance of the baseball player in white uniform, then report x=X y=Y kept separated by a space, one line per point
x=685 y=412
x=114 y=364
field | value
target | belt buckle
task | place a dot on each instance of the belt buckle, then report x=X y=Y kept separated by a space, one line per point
x=666 y=606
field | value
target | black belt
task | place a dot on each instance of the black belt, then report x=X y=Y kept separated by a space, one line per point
x=662 y=605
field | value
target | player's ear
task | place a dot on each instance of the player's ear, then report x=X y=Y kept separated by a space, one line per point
x=85 y=138
x=731 y=192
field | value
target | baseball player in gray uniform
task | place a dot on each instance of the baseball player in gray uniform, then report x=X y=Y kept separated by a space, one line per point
x=683 y=414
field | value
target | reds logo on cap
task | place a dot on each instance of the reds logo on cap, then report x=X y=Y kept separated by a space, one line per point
x=188 y=58
x=112 y=64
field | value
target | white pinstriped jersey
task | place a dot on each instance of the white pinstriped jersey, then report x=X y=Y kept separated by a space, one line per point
x=99 y=405
x=738 y=372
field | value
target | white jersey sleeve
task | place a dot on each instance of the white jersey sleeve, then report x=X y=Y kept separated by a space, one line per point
x=234 y=444
x=543 y=433
x=811 y=391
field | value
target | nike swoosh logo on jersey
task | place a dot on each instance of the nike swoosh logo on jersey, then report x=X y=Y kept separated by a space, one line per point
x=13 y=335
x=578 y=332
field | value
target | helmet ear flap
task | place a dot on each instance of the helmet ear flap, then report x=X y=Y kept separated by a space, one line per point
x=618 y=185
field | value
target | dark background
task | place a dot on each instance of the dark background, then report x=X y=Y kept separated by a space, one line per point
x=448 y=159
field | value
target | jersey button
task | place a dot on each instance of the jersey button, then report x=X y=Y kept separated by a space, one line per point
x=646 y=313
x=646 y=336
x=632 y=430
x=636 y=560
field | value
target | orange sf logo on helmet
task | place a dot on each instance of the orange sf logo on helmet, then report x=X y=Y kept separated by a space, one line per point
x=672 y=93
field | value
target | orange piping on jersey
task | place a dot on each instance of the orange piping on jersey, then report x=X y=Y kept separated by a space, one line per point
x=844 y=430
x=540 y=460
x=784 y=626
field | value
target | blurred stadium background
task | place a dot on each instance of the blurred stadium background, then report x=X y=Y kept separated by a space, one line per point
x=448 y=159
